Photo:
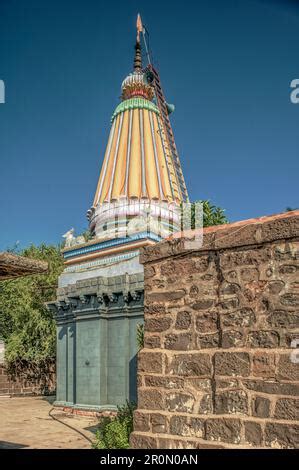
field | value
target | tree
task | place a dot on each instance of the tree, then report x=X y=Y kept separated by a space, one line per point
x=25 y=324
x=212 y=215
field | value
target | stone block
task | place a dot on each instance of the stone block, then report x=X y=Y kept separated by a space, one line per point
x=196 y=427
x=168 y=296
x=283 y=319
x=183 y=320
x=190 y=365
x=181 y=426
x=164 y=382
x=153 y=309
x=272 y=387
x=229 y=288
x=227 y=384
x=140 y=441
x=158 y=423
x=149 y=271
x=141 y=421
x=229 y=304
x=233 y=339
x=290 y=299
x=263 y=364
x=263 y=339
x=157 y=324
x=177 y=424
x=288 y=269
x=178 y=267
x=205 y=404
x=253 y=433
x=178 y=342
x=243 y=317
x=152 y=341
x=223 y=430
x=207 y=322
x=235 y=364
x=150 y=361
x=180 y=402
x=207 y=341
x=284 y=436
x=231 y=401
x=260 y=407
x=287 y=408
x=287 y=370
x=150 y=399
x=203 y=304
x=249 y=274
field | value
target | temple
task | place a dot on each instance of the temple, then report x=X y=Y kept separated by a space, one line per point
x=137 y=203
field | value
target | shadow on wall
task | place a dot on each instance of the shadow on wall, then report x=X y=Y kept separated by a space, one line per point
x=133 y=379
x=50 y=398
x=11 y=445
x=65 y=330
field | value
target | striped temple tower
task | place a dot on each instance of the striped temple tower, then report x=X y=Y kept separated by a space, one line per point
x=100 y=294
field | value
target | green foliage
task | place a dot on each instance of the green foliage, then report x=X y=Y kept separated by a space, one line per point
x=114 y=433
x=212 y=215
x=25 y=324
x=140 y=335
x=87 y=234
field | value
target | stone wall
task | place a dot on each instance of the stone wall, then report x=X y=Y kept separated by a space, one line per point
x=219 y=320
x=27 y=382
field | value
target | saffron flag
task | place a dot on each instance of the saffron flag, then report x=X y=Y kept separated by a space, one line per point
x=139 y=24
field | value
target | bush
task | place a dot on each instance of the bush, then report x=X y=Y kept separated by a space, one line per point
x=212 y=215
x=114 y=433
x=26 y=326
x=140 y=336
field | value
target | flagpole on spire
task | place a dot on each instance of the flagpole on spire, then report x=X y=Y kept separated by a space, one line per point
x=142 y=29
x=138 y=57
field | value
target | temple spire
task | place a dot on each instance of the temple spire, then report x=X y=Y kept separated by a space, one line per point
x=138 y=163
x=138 y=57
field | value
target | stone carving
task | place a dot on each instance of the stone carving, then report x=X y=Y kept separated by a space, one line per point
x=112 y=297
x=100 y=298
x=83 y=299
x=71 y=240
x=136 y=295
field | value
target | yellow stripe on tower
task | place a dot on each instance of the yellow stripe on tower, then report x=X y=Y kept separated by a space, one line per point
x=104 y=167
x=107 y=182
x=134 y=189
x=162 y=161
x=137 y=161
x=120 y=169
x=151 y=172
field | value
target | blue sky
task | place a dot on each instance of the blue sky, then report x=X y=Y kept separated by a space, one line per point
x=227 y=66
